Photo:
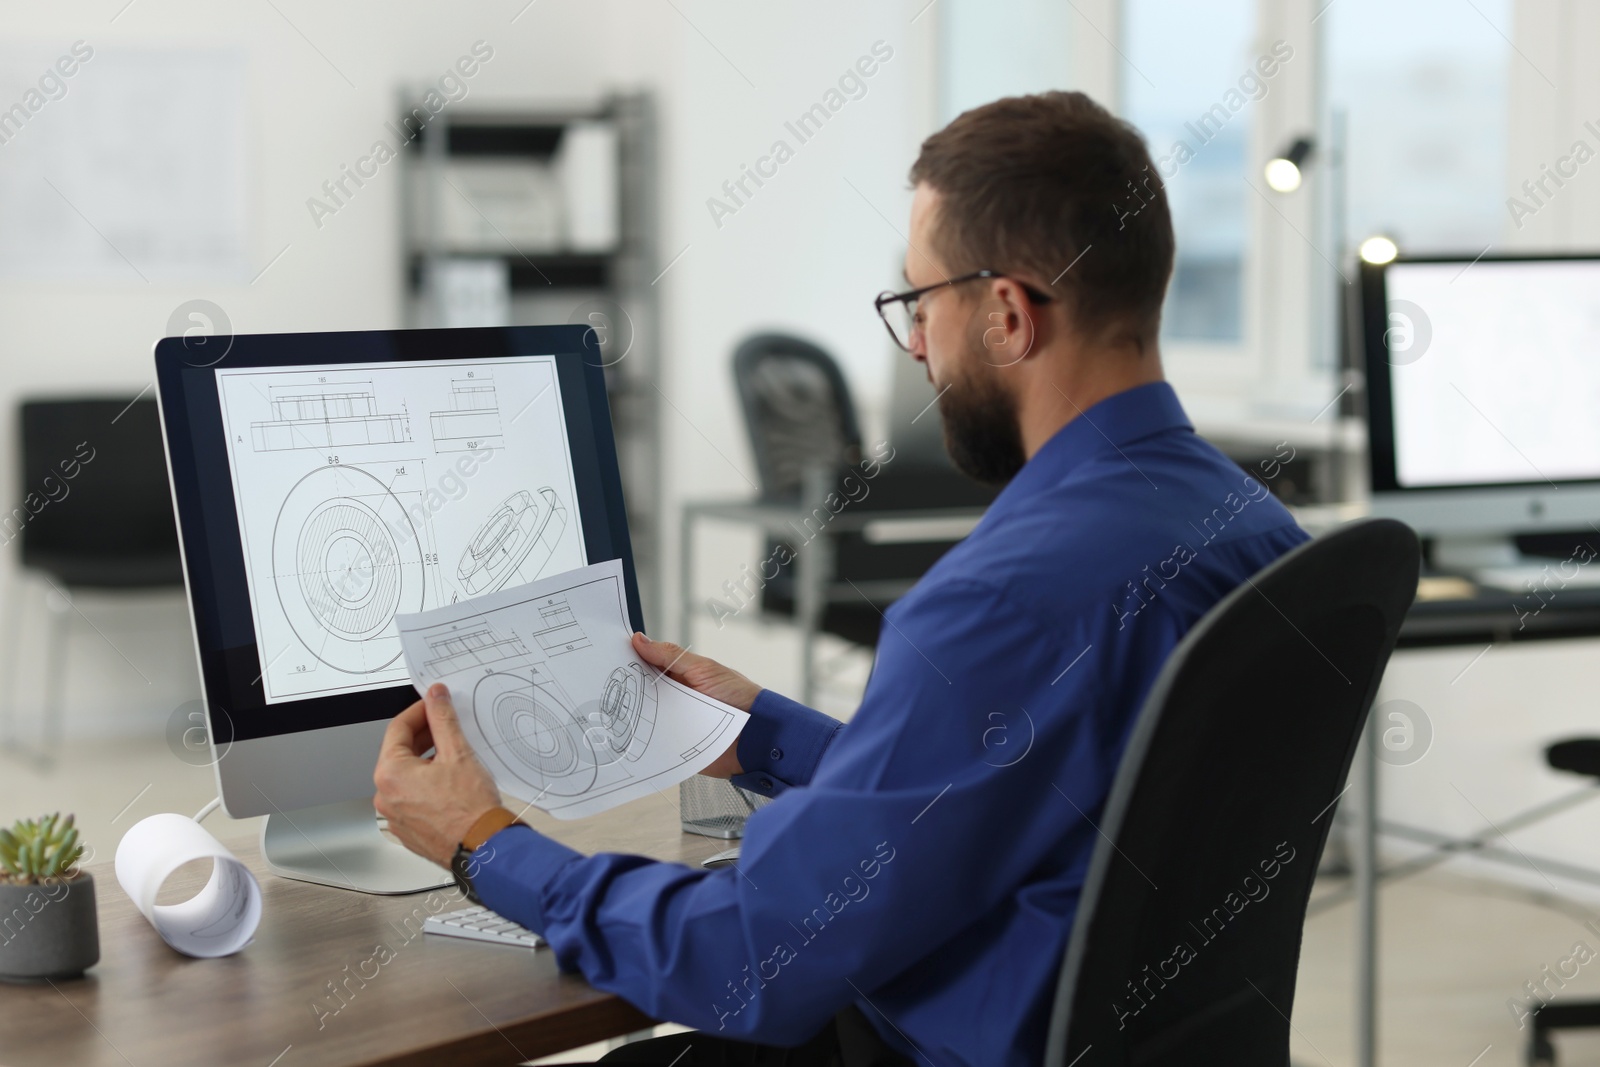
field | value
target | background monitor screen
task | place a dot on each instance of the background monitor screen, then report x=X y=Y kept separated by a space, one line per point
x=1493 y=373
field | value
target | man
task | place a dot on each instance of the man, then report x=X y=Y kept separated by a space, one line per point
x=908 y=895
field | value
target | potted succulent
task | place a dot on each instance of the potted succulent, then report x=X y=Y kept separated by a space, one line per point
x=48 y=924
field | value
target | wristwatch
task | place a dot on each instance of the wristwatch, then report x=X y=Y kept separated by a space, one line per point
x=489 y=823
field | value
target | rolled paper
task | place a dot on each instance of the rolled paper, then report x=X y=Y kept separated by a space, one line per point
x=221 y=918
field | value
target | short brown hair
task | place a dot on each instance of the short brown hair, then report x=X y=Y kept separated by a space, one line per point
x=1035 y=182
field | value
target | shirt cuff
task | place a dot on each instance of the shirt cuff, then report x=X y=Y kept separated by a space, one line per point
x=782 y=744
x=511 y=870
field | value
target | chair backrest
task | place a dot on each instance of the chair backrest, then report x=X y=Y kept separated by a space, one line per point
x=95 y=501
x=797 y=409
x=1187 y=935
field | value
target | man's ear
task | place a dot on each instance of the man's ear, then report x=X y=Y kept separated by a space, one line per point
x=1008 y=324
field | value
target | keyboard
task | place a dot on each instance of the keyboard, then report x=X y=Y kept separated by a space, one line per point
x=1546 y=576
x=478 y=923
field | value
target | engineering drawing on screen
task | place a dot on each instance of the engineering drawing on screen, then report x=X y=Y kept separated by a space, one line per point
x=323 y=416
x=473 y=418
x=553 y=699
x=516 y=542
x=346 y=558
x=348 y=515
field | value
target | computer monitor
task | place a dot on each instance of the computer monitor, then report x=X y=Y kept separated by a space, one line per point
x=326 y=482
x=1483 y=383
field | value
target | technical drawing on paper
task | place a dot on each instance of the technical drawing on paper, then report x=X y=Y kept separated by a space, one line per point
x=327 y=416
x=560 y=631
x=473 y=420
x=346 y=558
x=516 y=541
x=534 y=732
x=537 y=733
x=628 y=710
x=460 y=648
x=574 y=721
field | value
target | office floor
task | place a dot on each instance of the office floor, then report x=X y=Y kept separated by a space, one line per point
x=1454 y=947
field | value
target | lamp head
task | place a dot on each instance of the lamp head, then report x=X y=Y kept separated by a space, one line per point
x=1283 y=170
x=1378 y=250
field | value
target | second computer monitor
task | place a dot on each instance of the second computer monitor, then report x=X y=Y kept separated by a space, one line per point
x=1484 y=398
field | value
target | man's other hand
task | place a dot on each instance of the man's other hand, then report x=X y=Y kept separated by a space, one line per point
x=431 y=803
x=703 y=676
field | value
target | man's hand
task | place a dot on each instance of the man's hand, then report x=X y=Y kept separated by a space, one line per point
x=431 y=803
x=703 y=676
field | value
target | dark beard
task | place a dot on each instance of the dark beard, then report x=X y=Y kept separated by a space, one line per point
x=981 y=432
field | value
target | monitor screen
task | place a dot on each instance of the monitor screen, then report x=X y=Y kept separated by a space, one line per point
x=326 y=483
x=1492 y=372
x=364 y=490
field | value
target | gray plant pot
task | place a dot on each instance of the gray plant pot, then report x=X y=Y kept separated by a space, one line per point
x=48 y=931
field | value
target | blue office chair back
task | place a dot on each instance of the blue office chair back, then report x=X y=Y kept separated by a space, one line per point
x=798 y=410
x=1187 y=937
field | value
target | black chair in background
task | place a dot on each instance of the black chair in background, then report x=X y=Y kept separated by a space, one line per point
x=94 y=512
x=1212 y=830
x=802 y=425
x=1576 y=755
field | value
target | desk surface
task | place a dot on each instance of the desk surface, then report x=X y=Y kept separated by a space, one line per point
x=1494 y=615
x=436 y=1001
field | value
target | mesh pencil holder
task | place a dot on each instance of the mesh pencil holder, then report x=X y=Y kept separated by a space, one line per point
x=715 y=807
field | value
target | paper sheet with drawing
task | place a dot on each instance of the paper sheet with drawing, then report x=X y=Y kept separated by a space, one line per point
x=555 y=701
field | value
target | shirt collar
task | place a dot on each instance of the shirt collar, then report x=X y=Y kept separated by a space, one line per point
x=1114 y=422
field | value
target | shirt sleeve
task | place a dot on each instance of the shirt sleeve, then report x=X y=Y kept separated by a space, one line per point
x=983 y=748
x=782 y=743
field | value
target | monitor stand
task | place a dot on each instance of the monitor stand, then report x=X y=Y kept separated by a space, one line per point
x=341 y=845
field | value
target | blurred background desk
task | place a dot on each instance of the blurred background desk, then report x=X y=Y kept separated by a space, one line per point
x=1454 y=612
x=883 y=551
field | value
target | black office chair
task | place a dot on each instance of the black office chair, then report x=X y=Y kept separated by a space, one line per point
x=801 y=419
x=1241 y=748
x=95 y=514
x=1577 y=755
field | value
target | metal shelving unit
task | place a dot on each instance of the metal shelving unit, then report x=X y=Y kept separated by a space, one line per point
x=610 y=289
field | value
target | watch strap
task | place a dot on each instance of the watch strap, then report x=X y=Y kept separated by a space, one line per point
x=488 y=824
x=460 y=870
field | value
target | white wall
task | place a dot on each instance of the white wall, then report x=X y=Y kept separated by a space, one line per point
x=303 y=121
x=806 y=253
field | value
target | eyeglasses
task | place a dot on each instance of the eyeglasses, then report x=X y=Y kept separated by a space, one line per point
x=902 y=319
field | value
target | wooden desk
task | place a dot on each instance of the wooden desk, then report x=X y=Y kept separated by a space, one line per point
x=1496 y=615
x=439 y=1001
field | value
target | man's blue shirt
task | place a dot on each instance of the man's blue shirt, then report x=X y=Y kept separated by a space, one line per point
x=924 y=861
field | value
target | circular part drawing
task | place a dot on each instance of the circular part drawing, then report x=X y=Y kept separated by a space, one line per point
x=345 y=559
x=517 y=540
x=627 y=711
x=533 y=734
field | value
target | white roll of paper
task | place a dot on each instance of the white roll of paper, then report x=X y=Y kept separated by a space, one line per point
x=217 y=921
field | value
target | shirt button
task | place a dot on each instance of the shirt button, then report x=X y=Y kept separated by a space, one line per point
x=764 y=783
x=776 y=753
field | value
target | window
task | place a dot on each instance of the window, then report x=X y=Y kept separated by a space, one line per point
x=995 y=48
x=1180 y=87
x=1424 y=88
